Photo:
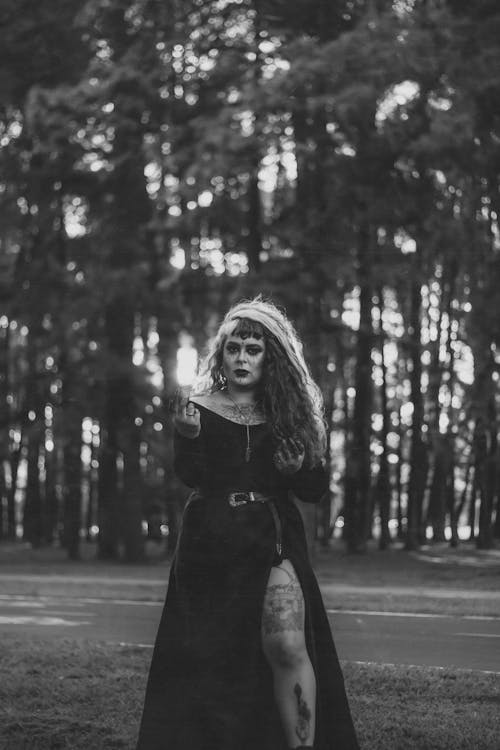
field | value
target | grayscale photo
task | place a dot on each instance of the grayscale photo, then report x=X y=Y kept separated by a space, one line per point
x=249 y=375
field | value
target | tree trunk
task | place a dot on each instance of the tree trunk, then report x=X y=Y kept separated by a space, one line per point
x=399 y=480
x=33 y=513
x=93 y=480
x=496 y=527
x=128 y=216
x=487 y=490
x=15 y=458
x=473 y=498
x=132 y=499
x=418 y=452
x=452 y=508
x=438 y=497
x=72 y=497
x=383 y=487
x=51 y=504
x=358 y=469
x=456 y=509
x=123 y=439
x=325 y=509
x=34 y=428
x=4 y=430
x=484 y=536
x=108 y=506
x=71 y=417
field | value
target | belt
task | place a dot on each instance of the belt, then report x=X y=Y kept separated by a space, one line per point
x=243 y=498
x=235 y=499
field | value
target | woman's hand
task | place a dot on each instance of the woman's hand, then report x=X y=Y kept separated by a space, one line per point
x=289 y=456
x=186 y=417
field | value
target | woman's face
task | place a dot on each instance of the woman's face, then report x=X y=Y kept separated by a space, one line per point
x=243 y=361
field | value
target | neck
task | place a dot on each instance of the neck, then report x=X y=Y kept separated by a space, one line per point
x=241 y=395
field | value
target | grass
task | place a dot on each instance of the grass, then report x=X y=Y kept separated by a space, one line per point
x=438 y=566
x=77 y=695
x=69 y=695
x=454 y=606
x=418 y=708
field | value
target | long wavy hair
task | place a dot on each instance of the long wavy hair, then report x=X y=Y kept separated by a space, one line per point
x=291 y=400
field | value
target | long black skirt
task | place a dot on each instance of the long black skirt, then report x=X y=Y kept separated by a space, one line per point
x=209 y=685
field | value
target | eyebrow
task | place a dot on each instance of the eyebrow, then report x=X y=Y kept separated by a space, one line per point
x=236 y=342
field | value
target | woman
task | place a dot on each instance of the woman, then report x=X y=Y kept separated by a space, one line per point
x=244 y=657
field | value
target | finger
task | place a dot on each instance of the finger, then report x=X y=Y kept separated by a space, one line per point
x=191 y=409
x=298 y=447
x=285 y=450
x=177 y=399
x=278 y=458
x=180 y=406
x=282 y=450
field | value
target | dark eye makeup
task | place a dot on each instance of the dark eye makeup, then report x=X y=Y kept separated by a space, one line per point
x=252 y=350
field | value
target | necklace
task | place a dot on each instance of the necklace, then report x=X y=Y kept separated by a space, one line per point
x=246 y=421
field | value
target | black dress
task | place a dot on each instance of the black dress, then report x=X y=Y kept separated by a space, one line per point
x=209 y=686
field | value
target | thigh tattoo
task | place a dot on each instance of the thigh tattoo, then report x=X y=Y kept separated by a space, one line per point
x=283 y=608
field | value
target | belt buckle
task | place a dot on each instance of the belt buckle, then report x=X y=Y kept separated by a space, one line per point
x=240 y=498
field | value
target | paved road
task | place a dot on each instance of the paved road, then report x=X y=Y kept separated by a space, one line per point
x=391 y=638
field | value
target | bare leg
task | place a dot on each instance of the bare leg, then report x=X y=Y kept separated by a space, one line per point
x=284 y=645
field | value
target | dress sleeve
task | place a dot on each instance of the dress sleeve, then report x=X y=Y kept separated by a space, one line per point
x=310 y=485
x=189 y=459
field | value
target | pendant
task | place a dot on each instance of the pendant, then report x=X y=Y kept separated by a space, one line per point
x=248 y=451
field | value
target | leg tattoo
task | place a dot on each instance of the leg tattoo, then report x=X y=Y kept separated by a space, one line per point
x=302 y=730
x=283 y=640
x=283 y=608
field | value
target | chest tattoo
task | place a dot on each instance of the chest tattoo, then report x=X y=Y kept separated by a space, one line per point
x=246 y=415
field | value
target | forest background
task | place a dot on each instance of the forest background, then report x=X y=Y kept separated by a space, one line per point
x=161 y=160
